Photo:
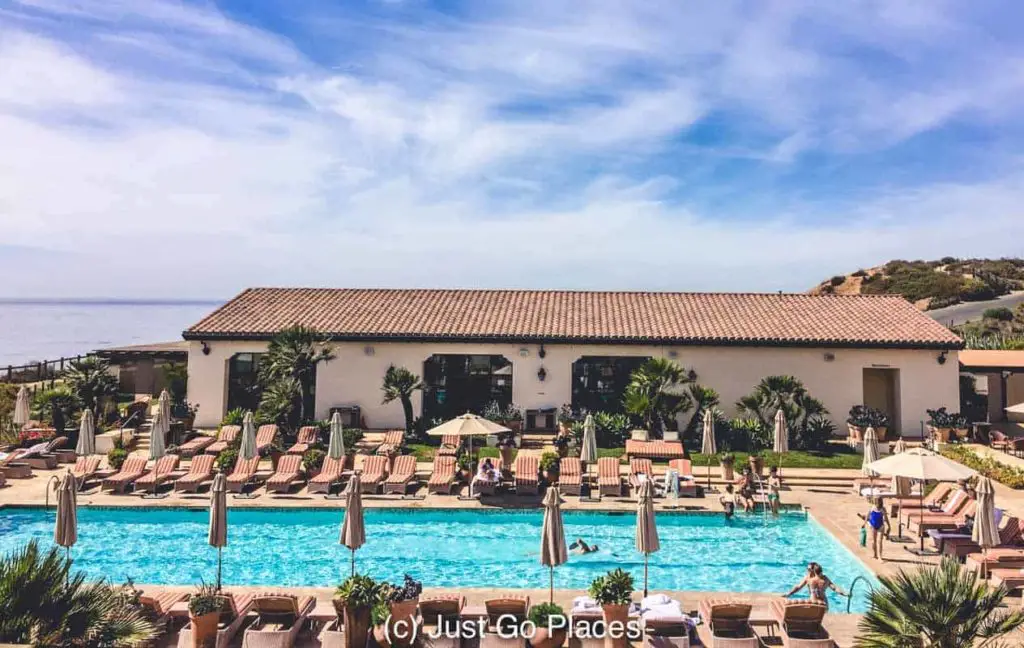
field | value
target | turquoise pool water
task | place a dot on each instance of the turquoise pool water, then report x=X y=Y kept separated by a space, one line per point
x=442 y=548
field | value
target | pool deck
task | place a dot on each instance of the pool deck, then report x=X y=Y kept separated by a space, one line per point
x=825 y=494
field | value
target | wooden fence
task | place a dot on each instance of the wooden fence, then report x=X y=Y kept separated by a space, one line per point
x=38 y=372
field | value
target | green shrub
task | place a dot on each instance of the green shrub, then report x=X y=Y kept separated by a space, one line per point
x=549 y=461
x=860 y=273
x=351 y=436
x=226 y=459
x=233 y=417
x=1006 y=475
x=837 y=280
x=116 y=458
x=547 y=615
x=204 y=600
x=614 y=588
x=1002 y=314
x=611 y=430
x=313 y=459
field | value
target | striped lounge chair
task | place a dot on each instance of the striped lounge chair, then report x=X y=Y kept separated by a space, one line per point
x=195 y=445
x=687 y=484
x=133 y=468
x=527 y=474
x=393 y=441
x=307 y=436
x=330 y=474
x=265 y=436
x=800 y=624
x=638 y=467
x=375 y=469
x=85 y=469
x=200 y=471
x=243 y=474
x=609 y=482
x=288 y=474
x=657 y=450
x=163 y=471
x=450 y=445
x=442 y=479
x=570 y=476
x=402 y=474
x=225 y=438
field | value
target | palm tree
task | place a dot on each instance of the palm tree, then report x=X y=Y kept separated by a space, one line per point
x=91 y=381
x=399 y=384
x=704 y=398
x=936 y=607
x=295 y=353
x=785 y=392
x=42 y=603
x=654 y=392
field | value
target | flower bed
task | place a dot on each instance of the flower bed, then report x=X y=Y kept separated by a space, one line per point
x=1006 y=475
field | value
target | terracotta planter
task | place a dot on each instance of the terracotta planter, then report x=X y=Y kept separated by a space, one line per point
x=728 y=474
x=882 y=433
x=507 y=455
x=619 y=615
x=356 y=623
x=564 y=428
x=551 y=475
x=942 y=434
x=856 y=433
x=543 y=639
x=515 y=426
x=757 y=465
x=402 y=623
x=961 y=433
x=204 y=629
x=274 y=458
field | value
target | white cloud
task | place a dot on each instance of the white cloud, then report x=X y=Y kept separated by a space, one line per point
x=538 y=146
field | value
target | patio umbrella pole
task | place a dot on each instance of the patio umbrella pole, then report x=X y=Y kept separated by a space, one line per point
x=551 y=584
x=220 y=564
x=645 y=575
x=353 y=562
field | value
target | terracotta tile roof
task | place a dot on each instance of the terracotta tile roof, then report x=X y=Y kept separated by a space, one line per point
x=565 y=316
x=992 y=359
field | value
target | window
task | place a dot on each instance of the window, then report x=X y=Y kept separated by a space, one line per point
x=243 y=386
x=456 y=384
x=599 y=381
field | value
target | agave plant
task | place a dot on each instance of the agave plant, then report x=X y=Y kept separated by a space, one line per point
x=936 y=607
x=42 y=603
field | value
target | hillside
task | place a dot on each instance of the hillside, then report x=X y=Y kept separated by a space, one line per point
x=932 y=284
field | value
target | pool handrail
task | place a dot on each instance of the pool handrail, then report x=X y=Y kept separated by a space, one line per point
x=849 y=593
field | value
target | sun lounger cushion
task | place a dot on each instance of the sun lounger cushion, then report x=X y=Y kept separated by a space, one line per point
x=225 y=437
x=393 y=440
x=374 y=470
x=307 y=436
x=200 y=471
x=162 y=471
x=654 y=449
x=526 y=468
x=133 y=468
x=450 y=444
x=401 y=474
x=443 y=476
x=330 y=473
x=608 y=479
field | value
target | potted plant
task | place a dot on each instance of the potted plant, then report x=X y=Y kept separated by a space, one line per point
x=275 y=452
x=507 y=449
x=116 y=457
x=512 y=418
x=959 y=424
x=354 y=601
x=940 y=424
x=395 y=627
x=313 y=461
x=756 y=463
x=204 y=607
x=863 y=417
x=561 y=443
x=465 y=464
x=549 y=465
x=550 y=623
x=613 y=592
x=226 y=460
x=566 y=417
x=726 y=463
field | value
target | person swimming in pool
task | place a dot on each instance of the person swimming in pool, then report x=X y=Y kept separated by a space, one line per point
x=582 y=548
x=728 y=501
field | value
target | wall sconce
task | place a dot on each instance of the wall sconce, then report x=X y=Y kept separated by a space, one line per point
x=541 y=352
x=523 y=352
x=673 y=353
x=829 y=356
x=368 y=350
x=206 y=347
x=542 y=373
x=942 y=358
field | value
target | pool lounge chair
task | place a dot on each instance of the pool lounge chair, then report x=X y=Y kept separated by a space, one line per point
x=489 y=486
x=308 y=435
x=12 y=467
x=45 y=457
x=199 y=472
x=393 y=441
x=664 y=623
x=729 y=623
x=570 y=476
x=164 y=470
x=960 y=544
x=133 y=468
x=442 y=479
x=609 y=481
x=374 y=471
x=638 y=467
x=450 y=445
x=265 y=436
x=800 y=624
x=225 y=438
x=279 y=620
x=661 y=450
x=1000 y=441
x=687 y=484
x=195 y=445
x=288 y=474
x=85 y=469
x=157 y=607
x=243 y=474
x=1010 y=577
x=920 y=525
x=402 y=474
x=234 y=610
x=330 y=474
x=442 y=611
x=527 y=470
x=508 y=611
x=950 y=505
x=932 y=500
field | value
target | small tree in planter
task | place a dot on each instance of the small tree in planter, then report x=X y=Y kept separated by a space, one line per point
x=313 y=461
x=550 y=622
x=614 y=591
x=566 y=419
x=512 y=418
x=549 y=465
x=355 y=601
x=465 y=464
x=399 y=605
x=204 y=607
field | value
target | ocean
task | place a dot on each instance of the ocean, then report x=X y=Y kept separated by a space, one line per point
x=34 y=330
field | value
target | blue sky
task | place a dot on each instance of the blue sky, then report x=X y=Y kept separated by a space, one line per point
x=169 y=149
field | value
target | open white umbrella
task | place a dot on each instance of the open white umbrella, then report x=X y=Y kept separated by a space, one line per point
x=353 y=531
x=21 y=409
x=468 y=425
x=922 y=465
x=646 y=530
x=65 y=530
x=588 y=453
x=86 y=436
x=247 y=449
x=552 y=538
x=780 y=442
x=707 y=446
x=985 y=532
x=217 y=534
x=870 y=456
x=336 y=444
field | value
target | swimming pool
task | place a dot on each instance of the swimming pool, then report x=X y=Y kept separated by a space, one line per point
x=443 y=548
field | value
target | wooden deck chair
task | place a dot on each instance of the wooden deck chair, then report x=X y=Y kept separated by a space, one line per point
x=402 y=474
x=374 y=471
x=200 y=471
x=729 y=623
x=609 y=481
x=308 y=435
x=225 y=438
x=279 y=620
x=800 y=624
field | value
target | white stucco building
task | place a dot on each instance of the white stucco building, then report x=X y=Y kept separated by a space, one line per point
x=541 y=349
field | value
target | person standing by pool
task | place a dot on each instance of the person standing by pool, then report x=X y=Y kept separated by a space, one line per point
x=747 y=487
x=817 y=584
x=774 y=486
x=728 y=501
x=877 y=522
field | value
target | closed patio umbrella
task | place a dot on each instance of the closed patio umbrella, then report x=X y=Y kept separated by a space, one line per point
x=86 y=436
x=870 y=456
x=353 y=532
x=336 y=444
x=552 y=538
x=588 y=453
x=468 y=425
x=922 y=465
x=646 y=530
x=247 y=449
x=780 y=442
x=217 y=534
x=21 y=409
x=165 y=408
x=65 y=530
x=157 y=448
x=986 y=531
x=899 y=446
x=901 y=487
x=707 y=446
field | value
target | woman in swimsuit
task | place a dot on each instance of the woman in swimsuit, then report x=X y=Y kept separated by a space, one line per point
x=817 y=584
x=728 y=501
x=877 y=522
x=774 y=486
